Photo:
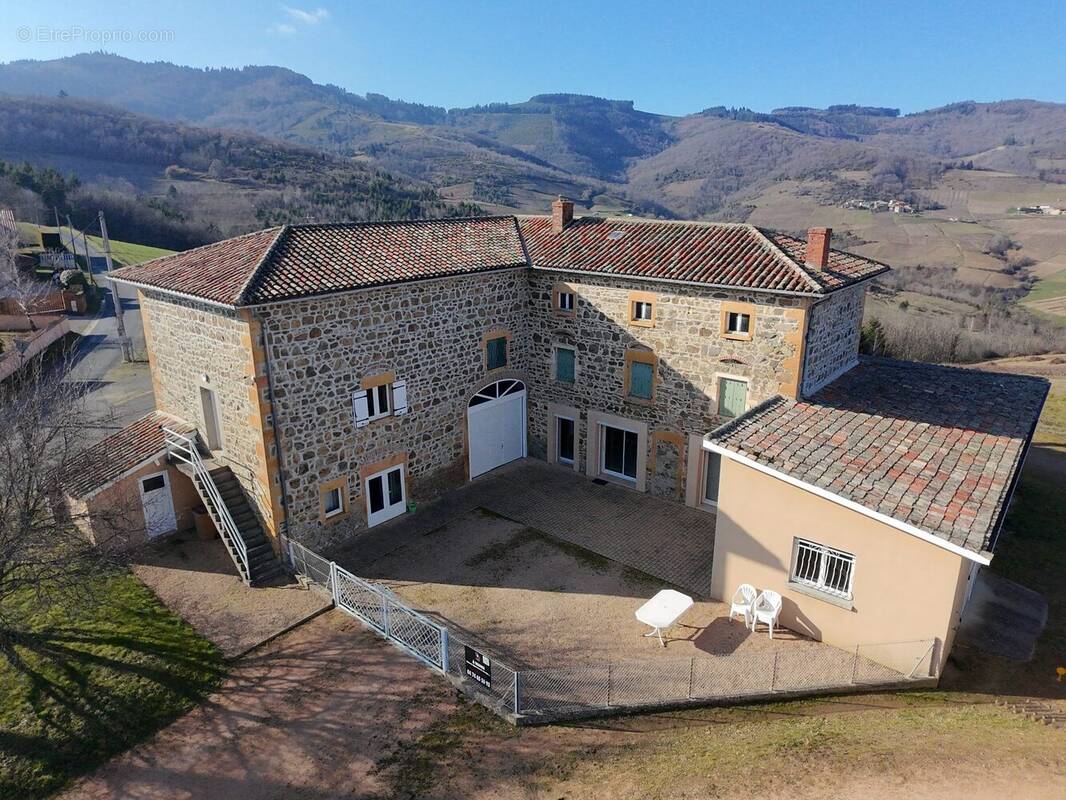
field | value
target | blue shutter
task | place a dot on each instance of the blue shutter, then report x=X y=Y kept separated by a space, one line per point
x=640 y=380
x=564 y=364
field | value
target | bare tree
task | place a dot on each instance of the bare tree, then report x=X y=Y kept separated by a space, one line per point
x=18 y=287
x=50 y=550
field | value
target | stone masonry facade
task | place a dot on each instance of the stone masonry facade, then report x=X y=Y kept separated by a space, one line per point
x=427 y=334
x=834 y=329
x=194 y=345
x=691 y=356
x=285 y=375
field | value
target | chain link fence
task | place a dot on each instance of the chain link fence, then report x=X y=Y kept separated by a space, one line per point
x=558 y=693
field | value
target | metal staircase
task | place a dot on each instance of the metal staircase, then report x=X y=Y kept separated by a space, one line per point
x=228 y=506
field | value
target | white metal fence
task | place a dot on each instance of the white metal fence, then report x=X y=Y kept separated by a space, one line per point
x=558 y=693
x=445 y=650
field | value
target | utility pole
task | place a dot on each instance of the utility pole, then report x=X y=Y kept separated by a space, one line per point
x=120 y=325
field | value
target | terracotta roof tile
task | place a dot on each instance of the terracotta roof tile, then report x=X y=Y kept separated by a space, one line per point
x=123 y=450
x=305 y=260
x=936 y=447
x=717 y=254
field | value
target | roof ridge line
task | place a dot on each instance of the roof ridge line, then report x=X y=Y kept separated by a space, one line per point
x=781 y=254
x=366 y=223
x=194 y=249
x=239 y=300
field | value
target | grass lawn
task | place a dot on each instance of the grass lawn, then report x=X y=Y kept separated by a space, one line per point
x=127 y=253
x=86 y=684
x=1049 y=287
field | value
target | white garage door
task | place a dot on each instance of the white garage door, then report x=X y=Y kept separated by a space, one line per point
x=496 y=424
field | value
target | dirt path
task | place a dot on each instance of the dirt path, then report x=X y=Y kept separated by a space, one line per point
x=329 y=711
x=309 y=715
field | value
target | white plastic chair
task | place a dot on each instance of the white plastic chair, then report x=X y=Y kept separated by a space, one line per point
x=742 y=603
x=767 y=609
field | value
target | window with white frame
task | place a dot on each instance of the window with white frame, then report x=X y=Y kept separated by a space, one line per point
x=823 y=568
x=332 y=502
x=738 y=323
x=565 y=301
x=375 y=402
x=642 y=311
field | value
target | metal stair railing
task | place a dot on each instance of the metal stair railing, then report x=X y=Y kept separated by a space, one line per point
x=183 y=447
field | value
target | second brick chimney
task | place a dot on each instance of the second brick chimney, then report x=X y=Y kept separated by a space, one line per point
x=818 y=247
x=562 y=214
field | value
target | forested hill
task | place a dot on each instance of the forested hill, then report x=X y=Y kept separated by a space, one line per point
x=179 y=185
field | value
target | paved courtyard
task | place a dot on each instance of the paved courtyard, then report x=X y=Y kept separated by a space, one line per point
x=666 y=540
x=544 y=569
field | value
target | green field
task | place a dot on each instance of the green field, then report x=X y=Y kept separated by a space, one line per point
x=1049 y=288
x=82 y=684
x=127 y=253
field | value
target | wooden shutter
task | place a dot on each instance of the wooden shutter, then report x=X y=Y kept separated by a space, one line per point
x=640 y=379
x=564 y=364
x=734 y=399
x=360 y=408
x=399 y=398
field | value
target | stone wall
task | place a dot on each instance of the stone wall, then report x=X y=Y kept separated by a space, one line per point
x=429 y=335
x=690 y=350
x=833 y=331
x=189 y=340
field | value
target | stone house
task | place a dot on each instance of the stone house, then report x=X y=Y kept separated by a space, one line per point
x=345 y=373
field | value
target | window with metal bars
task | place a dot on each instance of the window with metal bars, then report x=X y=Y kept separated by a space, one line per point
x=823 y=568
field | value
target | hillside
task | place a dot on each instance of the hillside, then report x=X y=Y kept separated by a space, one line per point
x=966 y=167
x=210 y=183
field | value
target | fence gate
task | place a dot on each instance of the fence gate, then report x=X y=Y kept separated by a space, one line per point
x=384 y=612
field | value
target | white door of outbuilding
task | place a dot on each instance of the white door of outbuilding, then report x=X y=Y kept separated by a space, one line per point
x=158 y=504
x=496 y=425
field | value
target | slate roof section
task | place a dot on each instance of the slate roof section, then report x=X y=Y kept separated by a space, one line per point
x=717 y=254
x=108 y=459
x=297 y=261
x=936 y=447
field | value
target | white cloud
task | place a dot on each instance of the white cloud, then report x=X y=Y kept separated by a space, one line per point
x=297 y=19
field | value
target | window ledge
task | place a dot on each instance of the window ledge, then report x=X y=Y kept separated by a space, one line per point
x=810 y=591
x=738 y=337
x=642 y=323
x=640 y=401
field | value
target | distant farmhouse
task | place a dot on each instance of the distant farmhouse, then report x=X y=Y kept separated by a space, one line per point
x=892 y=206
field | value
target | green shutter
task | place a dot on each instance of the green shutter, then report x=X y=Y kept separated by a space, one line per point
x=497 y=353
x=640 y=380
x=732 y=397
x=564 y=364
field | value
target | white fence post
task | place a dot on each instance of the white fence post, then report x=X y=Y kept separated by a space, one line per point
x=444 y=649
x=333 y=582
x=517 y=702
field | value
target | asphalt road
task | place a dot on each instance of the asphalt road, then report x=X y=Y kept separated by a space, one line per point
x=119 y=392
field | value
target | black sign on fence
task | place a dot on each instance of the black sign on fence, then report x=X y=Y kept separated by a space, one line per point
x=478 y=667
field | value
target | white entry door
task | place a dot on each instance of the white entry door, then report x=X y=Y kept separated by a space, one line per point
x=386 y=496
x=496 y=426
x=158 y=505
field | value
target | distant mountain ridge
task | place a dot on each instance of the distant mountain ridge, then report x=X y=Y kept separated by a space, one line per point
x=605 y=153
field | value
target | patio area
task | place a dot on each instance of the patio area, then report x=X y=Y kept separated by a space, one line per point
x=543 y=570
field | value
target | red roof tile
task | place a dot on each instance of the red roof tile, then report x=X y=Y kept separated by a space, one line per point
x=306 y=260
x=936 y=447
x=717 y=254
x=108 y=459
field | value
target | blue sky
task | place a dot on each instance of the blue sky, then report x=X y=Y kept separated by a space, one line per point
x=673 y=57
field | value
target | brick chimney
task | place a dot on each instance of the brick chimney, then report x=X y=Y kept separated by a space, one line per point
x=818 y=247
x=562 y=214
